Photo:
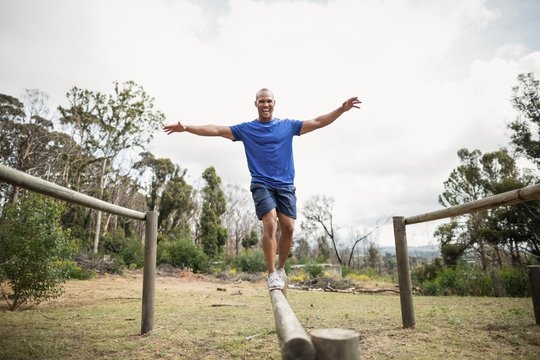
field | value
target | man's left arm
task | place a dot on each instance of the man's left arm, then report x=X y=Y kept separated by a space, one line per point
x=327 y=119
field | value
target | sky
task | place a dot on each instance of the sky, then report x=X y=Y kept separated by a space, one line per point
x=433 y=76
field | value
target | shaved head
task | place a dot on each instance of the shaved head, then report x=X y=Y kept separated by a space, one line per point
x=264 y=90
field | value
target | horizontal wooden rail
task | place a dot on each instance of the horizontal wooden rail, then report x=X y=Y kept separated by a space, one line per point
x=513 y=197
x=295 y=343
x=32 y=183
x=21 y=179
x=508 y=198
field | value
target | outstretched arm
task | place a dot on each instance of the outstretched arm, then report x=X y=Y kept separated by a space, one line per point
x=204 y=130
x=327 y=119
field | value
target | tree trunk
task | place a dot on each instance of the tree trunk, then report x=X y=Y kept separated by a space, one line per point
x=98 y=215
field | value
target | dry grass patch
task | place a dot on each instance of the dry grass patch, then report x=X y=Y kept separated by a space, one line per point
x=197 y=318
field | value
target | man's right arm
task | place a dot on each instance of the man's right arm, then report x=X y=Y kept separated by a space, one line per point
x=201 y=130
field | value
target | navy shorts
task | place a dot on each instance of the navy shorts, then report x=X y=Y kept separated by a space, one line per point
x=266 y=198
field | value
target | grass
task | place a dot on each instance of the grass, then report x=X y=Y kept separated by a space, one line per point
x=101 y=318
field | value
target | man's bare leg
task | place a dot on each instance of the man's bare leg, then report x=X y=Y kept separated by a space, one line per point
x=286 y=225
x=269 y=242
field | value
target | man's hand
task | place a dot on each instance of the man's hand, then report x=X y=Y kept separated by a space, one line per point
x=350 y=103
x=174 y=127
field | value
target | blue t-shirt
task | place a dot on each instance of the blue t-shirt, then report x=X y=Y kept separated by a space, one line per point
x=268 y=147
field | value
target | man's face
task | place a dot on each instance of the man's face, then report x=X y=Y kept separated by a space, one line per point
x=265 y=105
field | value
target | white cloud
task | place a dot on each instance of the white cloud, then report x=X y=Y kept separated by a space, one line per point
x=434 y=76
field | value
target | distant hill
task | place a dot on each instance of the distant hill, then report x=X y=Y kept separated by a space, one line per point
x=425 y=251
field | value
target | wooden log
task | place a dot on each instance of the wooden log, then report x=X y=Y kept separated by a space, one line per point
x=404 y=273
x=534 y=280
x=332 y=344
x=21 y=179
x=293 y=339
x=528 y=193
x=149 y=272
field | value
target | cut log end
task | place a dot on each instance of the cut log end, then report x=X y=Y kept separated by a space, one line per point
x=336 y=344
x=299 y=348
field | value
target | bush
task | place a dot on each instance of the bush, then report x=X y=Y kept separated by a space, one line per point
x=431 y=288
x=182 y=253
x=464 y=280
x=133 y=253
x=515 y=281
x=113 y=243
x=32 y=247
x=250 y=261
x=74 y=271
x=314 y=270
x=357 y=277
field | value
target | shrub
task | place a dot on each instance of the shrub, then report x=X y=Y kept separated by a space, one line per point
x=515 y=281
x=357 y=277
x=182 y=253
x=32 y=245
x=314 y=270
x=133 y=253
x=461 y=280
x=431 y=288
x=250 y=261
x=74 y=271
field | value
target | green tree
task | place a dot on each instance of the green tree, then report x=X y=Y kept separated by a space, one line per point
x=160 y=171
x=526 y=128
x=29 y=142
x=32 y=249
x=491 y=233
x=213 y=235
x=250 y=240
x=110 y=125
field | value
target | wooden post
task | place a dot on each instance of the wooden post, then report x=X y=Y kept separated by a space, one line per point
x=149 y=272
x=293 y=339
x=332 y=344
x=534 y=280
x=404 y=273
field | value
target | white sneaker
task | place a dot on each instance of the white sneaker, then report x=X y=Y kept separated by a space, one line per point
x=275 y=282
x=282 y=275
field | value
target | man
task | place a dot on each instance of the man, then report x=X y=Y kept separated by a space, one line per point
x=268 y=147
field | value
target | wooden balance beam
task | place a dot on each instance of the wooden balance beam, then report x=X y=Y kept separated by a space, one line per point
x=295 y=343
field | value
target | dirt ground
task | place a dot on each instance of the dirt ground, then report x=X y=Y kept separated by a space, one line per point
x=202 y=317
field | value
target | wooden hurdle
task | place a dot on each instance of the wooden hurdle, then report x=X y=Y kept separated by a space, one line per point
x=324 y=344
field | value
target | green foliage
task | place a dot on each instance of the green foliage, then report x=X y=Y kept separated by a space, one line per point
x=466 y=280
x=452 y=253
x=461 y=281
x=314 y=270
x=515 y=281
x=74 y=271
x=428 y=272
x=250 y=240
x=127 y=250
x=113 y=243
x=526 y=129
x=182 y=253
x=213 y=234
x=251 y=261
x=133 y=253
x=32 y=247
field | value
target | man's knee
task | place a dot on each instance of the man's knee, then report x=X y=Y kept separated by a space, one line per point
x=286 y=225
x=269 y=223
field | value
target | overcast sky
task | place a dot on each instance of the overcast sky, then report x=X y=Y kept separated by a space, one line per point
x=433 y=76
